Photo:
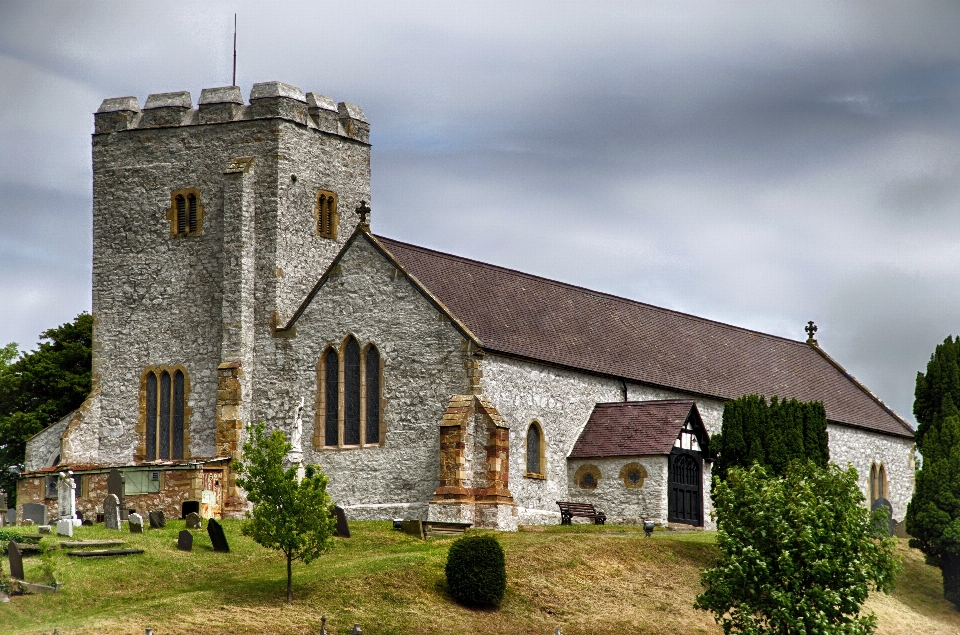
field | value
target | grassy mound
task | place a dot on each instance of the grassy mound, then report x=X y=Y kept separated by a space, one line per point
x=586 y=579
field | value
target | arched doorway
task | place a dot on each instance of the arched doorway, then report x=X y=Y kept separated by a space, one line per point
x=686 y=489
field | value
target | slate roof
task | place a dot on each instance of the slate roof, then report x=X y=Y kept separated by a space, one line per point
x=522 y=315
x=634 y=428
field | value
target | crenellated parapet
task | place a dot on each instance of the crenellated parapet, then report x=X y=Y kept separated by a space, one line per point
x=268 y=100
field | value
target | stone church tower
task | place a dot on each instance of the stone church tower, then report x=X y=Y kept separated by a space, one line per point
x=210 y=227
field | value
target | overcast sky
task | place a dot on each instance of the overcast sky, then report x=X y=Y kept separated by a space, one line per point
x=760 y=164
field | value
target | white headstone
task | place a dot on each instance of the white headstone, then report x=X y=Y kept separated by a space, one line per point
x=67 y=496
x=65 y=527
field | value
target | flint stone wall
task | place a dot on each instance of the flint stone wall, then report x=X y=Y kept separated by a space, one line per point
x=623 y=505
x=861 y=448
x=44 y=447
x=422 y=363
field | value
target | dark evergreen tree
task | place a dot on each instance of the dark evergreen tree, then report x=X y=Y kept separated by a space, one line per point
x=933 y=515
x=41 y=387
x=771 y=434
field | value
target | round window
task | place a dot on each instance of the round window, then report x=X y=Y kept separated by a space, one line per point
x=587 y=477
x=633 y=475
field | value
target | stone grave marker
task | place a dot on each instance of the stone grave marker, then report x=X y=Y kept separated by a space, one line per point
x=87 y=522
x=185 y=541
x=157 y=519
x=217 y=537
x=136 y=523
x=194 y=521
x=16 y=561
x=35 y=512
x=342 y=529
x=111 y=512
x=67 y=498
x=65 y=527
x=889 y=526
x=11 y=517
x=44 y=529
x=115 y=483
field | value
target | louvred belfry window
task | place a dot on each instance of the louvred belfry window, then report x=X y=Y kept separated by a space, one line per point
x=165 y=413
x=185 y=213
x=326 y=214
x=349 y=410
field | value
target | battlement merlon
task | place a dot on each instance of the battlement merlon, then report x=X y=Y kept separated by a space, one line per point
x=268 y=100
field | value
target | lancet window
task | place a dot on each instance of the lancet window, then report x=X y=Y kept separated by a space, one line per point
x=185 y=213
x=326 y=214
x=165 y=413
x=349 y=396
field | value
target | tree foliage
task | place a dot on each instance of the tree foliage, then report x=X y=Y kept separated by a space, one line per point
x=40 y=387
x=289 y=515
x=771 y=434
x=799 y=553
x=933 y=515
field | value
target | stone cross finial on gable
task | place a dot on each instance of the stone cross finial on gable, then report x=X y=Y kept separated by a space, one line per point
x=364 y=211
x=810 y=328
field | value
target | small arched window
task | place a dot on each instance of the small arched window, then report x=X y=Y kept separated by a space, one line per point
x=165 y=414
x=349 y=410
x=326 y=214
x=878 y=482
x=185 y=213
x=535 y=451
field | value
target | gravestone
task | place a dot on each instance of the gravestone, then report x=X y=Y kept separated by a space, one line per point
x=35 y=512
x=67 y=497
x=111 y=512
x=342 y=529
x=16 y=561
x=217 y=537
x=189 y=506
x=185 y=541
x=44 y=529
x=65 y=527
x=194 y=521
x=87 y=522
x=136 y=523
x=11 y=517
x=888 y=526
x=115 y=483
x=157 y=519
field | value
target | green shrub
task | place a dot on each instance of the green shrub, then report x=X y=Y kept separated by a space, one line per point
x=7 y=534
x=476 y=571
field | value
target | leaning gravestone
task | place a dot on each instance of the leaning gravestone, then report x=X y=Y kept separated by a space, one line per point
x=342 y=529
x=11 y=517
x=65 y=527
x=889 y=525
x=194 y=521
x=111 y=512
x=157 y=519
x=185 y=541
x=115 y=483
x=136 y=523
x=16 y=561
x=217 y=537
x=35 y=512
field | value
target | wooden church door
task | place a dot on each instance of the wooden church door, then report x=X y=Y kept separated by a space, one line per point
x=686 y=489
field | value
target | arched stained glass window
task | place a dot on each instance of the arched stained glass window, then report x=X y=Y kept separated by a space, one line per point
x=371 y=369
x=534 y=450
x=165 y=414
x=332 y=398
x=351 y=393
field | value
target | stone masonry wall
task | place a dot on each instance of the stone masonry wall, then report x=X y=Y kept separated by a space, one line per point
x=422 y=362
x=44 y=447
x=622 y=504
x=861 y=448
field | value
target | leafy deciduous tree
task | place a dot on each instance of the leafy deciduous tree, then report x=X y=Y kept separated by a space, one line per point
x=799 y=553
x=295 y=517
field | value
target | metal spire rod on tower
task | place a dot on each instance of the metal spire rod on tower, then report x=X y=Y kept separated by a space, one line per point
x=234 y=49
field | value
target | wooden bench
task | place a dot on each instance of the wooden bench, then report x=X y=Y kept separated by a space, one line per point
x=424 y=529
x=580 y=510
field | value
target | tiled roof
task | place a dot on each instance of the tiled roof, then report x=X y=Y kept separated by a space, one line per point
x=527 y=316
x=632 y=428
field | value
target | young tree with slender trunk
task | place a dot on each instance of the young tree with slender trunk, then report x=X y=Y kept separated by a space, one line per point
x=289 y=515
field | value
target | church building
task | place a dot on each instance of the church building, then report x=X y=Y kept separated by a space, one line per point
x=236 y=280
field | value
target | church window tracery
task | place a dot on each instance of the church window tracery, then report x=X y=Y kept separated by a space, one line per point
x=536 y=460
x=164 y=414
x=325 y=212
x=879 y=487
x=185 y=213
x=349 y=394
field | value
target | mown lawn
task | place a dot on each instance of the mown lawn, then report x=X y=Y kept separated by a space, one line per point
x=585 y=579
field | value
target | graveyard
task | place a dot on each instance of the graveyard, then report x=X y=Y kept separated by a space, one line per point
x=585 y=579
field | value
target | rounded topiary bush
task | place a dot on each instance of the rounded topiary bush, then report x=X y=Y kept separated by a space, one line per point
x=476 y=571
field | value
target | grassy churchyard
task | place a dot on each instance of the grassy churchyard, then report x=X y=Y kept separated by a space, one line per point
x=585 y=579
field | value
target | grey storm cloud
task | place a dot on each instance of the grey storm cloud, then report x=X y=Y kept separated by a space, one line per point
x=761 y=164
